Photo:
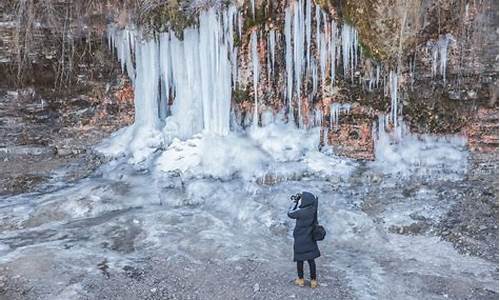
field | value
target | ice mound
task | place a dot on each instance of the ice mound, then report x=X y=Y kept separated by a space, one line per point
x=403 y=153
x=135 y=142
x=211 y=155
x=278 y=149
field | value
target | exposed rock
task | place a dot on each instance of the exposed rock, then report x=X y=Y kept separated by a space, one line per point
x=352 y=137
x=482 y=131
x=40 y=133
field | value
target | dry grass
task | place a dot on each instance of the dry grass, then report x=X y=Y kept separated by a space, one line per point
x=69 y=31
x=58 y=28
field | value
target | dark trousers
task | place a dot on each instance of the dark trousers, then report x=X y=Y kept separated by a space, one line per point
x=312 y=268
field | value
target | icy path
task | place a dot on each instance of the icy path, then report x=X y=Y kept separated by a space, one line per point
x=66 y=242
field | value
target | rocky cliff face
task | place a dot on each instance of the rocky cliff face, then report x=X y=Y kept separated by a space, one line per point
x=447 y=55
x=443 y=57
x=60 y=91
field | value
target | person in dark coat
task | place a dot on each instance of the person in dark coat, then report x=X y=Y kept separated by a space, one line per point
x=305 y=211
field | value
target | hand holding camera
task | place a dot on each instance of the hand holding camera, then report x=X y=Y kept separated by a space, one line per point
x=295 y=198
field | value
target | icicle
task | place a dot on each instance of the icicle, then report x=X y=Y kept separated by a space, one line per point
x=412 y=69
x=128 y=59
x=165 y=71
x=393 y=83
x=440 y=49
x=382 y=140
x=188 y=68
x=240 y=25
x=325 y=136
x=230 y=18
x=317 y=117
x=314 y=76
x=110 y=31
x=289 y=59
x=335 y=110
x=443 y=54
x=255 y=64
x=349 y=49
x=371 y=80
x=252 y=2
x=434 y=61
x=124 y=43
x=146 y=88
x=235 y=71
x=298 y=53
x=377 y=76
x=272 y=49
x=308 y=33
x=187 y=110
x=384 y=84
x=355 y=49
x=300 y=64
x=323 y=56
x=333 y=51
x=318 y=26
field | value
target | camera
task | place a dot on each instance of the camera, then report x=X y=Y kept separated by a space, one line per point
x=296 y=197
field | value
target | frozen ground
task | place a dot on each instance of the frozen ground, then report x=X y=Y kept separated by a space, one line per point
x=127 y=232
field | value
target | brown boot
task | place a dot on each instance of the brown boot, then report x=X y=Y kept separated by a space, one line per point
x=299 y=281
x=314 y=283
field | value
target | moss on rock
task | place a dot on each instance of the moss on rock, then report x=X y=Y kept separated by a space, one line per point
x=169 y=15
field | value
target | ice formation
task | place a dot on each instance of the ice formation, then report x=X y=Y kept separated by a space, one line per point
x=146 y=90
x=393 y=86
x=377 y=76
x=183 y=111
x=335 y=110
x=288 y=58
x=256 y=70
x=372 y=79
x=349 y=49
x=124 y=43
x=186 y=69
x=308 y=24
x=317 y=117
x=252 y=3
x=439 y=52
x=333 y=51
x=298 y=52
x=271 y=52
x=403 y=153
x=300 y=62
x=277 y=149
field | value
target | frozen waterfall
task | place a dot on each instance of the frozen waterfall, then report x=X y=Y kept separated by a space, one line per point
x=168 y=68
x=184 y=88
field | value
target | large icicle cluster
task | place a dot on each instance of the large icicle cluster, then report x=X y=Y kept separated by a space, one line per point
x=303 y=65
x=197 y=73
x=204 y=54
x=183 y=87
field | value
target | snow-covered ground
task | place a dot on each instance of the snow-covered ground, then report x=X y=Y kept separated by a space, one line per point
x=201 y=200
